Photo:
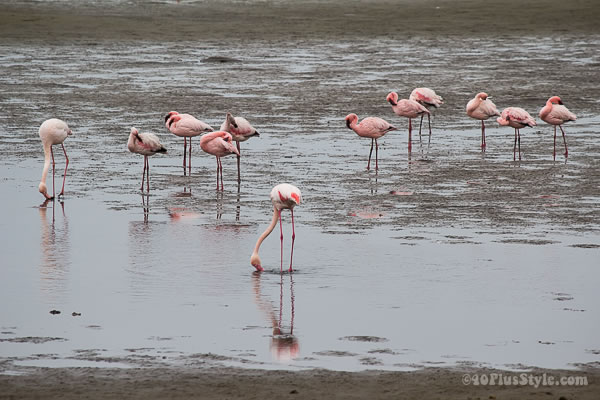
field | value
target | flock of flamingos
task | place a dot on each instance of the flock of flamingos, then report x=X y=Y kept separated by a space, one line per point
x=285 y=196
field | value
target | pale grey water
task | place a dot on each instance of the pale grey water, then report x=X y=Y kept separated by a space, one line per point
x=487 y=262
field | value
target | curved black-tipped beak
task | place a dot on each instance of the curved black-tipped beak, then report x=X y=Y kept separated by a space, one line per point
x=560 y=102
x=348 y=124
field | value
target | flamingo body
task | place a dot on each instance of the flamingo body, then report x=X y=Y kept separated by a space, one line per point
x=186 y=126
x=517 y=118
x=219 y=144
x=370 y=127
x=146 y=144
x=555 y=113
x=52 y=132
x=409 y=109
x=426 y=97
x=240 y=130
x=482 y=108
x=283 y=196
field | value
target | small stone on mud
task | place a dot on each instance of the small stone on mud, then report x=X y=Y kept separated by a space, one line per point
x=76 y=314
x=54 y=312
x=293 y=391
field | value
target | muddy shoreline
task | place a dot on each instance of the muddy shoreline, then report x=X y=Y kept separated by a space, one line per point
x=231 y=383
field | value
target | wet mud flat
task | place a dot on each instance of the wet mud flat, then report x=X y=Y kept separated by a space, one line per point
x=295 y=70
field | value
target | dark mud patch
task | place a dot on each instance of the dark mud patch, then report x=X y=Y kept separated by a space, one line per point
x=374 y=339
x=370 y=361
x=335 y=353
x=34 y=339
x=585 y=246
x=534 y=242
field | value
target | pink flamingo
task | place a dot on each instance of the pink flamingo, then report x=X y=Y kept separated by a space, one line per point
x=370 y=127
x=146 y=144
x=283 y=196
x=428 y=98
x=517 y=118
x=482 y=108
x=406 y=108
x=219 y=144
x=555 y=113
x=186 y=126
x=53 y=131
x=240 y=130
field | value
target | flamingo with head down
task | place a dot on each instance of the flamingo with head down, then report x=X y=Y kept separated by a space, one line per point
x=53 y=131
x=283 y=196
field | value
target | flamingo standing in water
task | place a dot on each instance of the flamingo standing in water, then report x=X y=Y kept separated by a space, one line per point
x=186 y=126
x=428 y=98
x=219 y=144
x=146 y=144
x=407 y=108
x=370 y=127
x=517 y=118
x=53 y=131
x=240 y=130
x=555 y=113
x=283 y=196
x=482 y=108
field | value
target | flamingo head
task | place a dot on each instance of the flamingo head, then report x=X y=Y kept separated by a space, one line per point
x=228 y=139
x=231 y=121
x=482 y=96
x=350 y=119
x=134 y=132
x=44 y=190
x=170 y=114
x=555 y=100
x=255 y=261
x=503 y=120
x=392 y=98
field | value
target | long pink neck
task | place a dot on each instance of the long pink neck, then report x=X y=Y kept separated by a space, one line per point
x=268 y=231
x=47 y=157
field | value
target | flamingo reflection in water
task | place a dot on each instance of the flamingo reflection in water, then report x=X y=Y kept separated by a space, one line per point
x=55 y=249
x=284 y=345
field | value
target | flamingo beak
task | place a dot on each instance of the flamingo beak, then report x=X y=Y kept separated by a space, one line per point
x=348 y=124
x=560 y=102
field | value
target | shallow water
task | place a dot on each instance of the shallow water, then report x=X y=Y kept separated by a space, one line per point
x=447 y=256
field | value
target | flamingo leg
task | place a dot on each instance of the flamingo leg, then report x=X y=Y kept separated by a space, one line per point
x=293 y=239
x=221 y=167
x=519 y=136
x=564 y=140
x=420 y=123
x=554 y=151
x=238 y=161
x=143 y=175
x=190 y=159
x=62 y=192
x=147 y=175
x=376 y=155
x=217 y=173
x=53 y=169
x=370 y=153
x=184 y=153
x=281 y=247
x=482 y=136
x=515 y=147
x=429 y=122
x=409 y=135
